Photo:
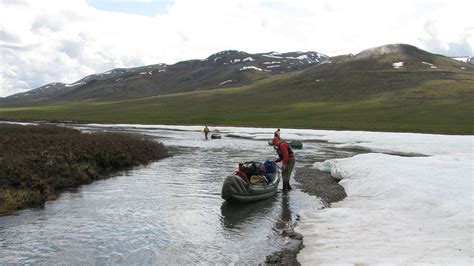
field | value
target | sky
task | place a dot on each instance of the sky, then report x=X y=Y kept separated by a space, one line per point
x=62 y=41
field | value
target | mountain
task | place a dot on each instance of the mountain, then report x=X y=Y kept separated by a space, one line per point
x=394 y=87
x=224 y=69
x=396 y=72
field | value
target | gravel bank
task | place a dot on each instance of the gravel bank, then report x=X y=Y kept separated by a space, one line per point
x=313 y=182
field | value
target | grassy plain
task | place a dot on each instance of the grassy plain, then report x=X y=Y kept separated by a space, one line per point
x=432 y=106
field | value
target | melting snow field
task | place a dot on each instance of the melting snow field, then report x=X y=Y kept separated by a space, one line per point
x=398 y=210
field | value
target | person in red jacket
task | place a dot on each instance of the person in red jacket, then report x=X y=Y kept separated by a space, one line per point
x=286 y=157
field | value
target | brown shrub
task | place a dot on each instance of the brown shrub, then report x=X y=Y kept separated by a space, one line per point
x=47 y=159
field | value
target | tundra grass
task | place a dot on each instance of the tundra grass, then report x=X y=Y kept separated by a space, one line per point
x=399 y=101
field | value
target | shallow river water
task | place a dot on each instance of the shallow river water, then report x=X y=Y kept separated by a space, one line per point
x=168 y=212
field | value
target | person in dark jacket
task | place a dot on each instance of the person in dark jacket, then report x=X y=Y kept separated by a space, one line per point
x=286 y=157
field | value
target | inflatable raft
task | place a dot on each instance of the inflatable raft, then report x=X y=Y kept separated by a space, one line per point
x=236 y=189
x=216 y=136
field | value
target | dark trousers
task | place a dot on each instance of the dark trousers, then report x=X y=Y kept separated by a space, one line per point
x=288 y=169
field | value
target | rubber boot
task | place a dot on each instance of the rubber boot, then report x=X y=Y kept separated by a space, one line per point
x=286 y=185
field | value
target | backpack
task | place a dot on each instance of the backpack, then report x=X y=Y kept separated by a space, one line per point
x=251 y=168
x=269 y=167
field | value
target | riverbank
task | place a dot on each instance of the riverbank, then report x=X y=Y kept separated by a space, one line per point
x=316 y=183
x=38 y=162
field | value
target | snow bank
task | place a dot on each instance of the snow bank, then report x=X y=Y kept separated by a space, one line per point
x=411 y=144
x=394 y=143
x=399 y=210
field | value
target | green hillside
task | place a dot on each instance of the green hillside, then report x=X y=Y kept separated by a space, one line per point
x=430 y=93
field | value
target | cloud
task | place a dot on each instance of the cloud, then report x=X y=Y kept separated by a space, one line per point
x=54 y=40
x=461 y=44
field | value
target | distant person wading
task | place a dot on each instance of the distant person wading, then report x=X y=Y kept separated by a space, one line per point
x=286 y=156
x=206 y=131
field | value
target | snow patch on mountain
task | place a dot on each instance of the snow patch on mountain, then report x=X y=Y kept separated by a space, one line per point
x=271 y=63
x=225 y=82
x=273 y=66
x=250 y=67
x=74 y=84
x=272 y=56
x=397 y=65
x=429 y=64
x=465 y=59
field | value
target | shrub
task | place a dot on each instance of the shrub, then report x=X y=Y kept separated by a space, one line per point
x=37 y=162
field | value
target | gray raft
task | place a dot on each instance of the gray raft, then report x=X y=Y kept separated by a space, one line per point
x=216 y=136
x=235 y=189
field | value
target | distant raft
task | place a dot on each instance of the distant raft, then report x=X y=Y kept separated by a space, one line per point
x=296 y=144
x=216 y=136
x=236 y=189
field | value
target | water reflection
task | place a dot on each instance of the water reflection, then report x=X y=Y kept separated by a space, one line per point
x=284 y=220
x=235 y=214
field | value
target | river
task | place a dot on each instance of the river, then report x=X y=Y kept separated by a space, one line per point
x=168 y=212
